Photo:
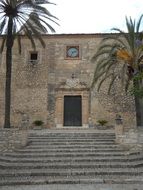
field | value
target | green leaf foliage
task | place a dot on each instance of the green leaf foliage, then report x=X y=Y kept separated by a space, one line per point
x=38 y=122
x=119 y=56
x=102 y=122
x=28 y=18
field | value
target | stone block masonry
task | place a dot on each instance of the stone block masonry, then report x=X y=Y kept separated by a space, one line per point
x=11 y=139
x=38 y=90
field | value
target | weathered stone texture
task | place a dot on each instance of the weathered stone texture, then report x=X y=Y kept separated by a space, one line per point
x=33 y=86
x=11 y=139
x=115 y=102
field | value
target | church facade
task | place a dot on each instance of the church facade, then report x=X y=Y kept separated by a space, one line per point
x=53 y=84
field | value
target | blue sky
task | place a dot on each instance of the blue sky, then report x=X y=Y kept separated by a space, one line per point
x=94 y=16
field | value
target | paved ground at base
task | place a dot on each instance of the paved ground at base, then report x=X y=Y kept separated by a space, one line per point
x=75 y=187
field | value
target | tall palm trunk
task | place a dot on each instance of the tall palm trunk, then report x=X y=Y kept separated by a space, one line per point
x=138 y=104
x=9 y=45
x=139 y=111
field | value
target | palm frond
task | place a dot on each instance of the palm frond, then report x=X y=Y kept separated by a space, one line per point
x=29 y=34
x=32 y=19
x=139 y=24
x=113 y=78
x=3 y=44
x=107 y=56
x=3 y=23
x=35 y=32
x=103 y=80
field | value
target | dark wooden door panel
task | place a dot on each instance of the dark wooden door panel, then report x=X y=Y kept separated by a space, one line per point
x=72 y=111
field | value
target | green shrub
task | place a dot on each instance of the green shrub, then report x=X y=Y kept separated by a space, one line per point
x=102 y=122
x=38 y=122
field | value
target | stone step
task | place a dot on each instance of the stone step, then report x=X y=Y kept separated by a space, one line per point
x=37 y=180
x=71 y=132
x=39 y=147
x=49 y=150
x=72 y=172
x=72 y=137
x=65 y=154
x=66 y=148
x=57 y=157
x=127 y=158
x=71 y=143
x=71 y=165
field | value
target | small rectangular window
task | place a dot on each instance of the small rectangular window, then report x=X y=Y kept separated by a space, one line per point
x=33 y=58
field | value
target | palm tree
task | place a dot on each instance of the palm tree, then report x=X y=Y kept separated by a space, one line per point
x=120 y=58
x=20 y=17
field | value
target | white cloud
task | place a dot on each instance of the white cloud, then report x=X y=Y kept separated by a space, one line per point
x=93 y=16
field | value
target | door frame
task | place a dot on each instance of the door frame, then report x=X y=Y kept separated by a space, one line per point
x=59 y=109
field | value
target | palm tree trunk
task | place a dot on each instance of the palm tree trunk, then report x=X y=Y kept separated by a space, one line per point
x=9 y=45
x=139 y=106
x=139 y=111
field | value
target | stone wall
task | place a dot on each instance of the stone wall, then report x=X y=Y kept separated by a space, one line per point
x=131 y=139
x=11 y=139
x=116 y=102
x=34 y=86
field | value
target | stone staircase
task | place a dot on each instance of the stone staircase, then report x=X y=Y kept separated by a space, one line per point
x=71 y=157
